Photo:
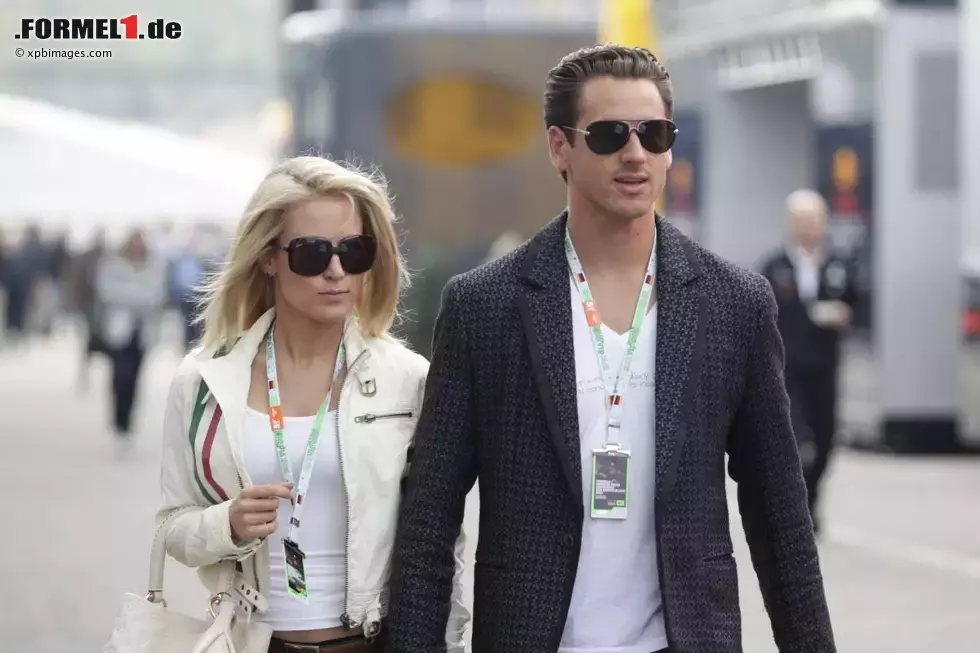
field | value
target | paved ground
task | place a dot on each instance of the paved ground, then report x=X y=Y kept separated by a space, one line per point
x=901 y=556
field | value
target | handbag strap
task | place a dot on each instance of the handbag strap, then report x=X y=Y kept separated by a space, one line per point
x=158 y=556
x=227 y=569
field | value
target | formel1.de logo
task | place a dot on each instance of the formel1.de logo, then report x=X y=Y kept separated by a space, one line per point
x=80 y=29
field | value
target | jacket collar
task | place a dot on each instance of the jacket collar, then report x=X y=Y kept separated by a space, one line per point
x=677 y=264
x=228 y=376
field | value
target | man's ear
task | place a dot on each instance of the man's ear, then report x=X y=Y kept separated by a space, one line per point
x=558 y=146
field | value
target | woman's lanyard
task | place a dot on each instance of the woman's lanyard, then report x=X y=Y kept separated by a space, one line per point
x=276 y=420
x=615 y=385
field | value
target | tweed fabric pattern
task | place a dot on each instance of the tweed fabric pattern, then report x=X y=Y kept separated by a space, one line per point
x=500 y=408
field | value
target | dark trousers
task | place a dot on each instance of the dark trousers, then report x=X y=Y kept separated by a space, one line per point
x=813 y=401
x=18 y=307
x=126 y=364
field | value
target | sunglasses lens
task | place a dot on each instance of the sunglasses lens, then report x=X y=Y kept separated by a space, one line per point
x=357 y=254
x=607 y=136
x=656 y=136
x=310 y=258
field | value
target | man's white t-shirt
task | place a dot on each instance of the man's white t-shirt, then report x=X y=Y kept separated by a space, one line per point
x=616 y=603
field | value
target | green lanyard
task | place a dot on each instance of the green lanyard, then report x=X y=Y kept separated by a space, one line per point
x=615 y=384
x=276 y=421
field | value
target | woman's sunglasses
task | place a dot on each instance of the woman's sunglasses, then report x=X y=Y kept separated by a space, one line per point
x=610 y=136
x=310 y=257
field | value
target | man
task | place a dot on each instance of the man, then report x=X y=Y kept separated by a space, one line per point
x=816 y=294
x=568 y=559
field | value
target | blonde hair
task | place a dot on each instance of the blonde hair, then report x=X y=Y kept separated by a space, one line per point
x=236 y=297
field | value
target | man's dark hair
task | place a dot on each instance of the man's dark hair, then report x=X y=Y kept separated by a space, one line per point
x=563 y=88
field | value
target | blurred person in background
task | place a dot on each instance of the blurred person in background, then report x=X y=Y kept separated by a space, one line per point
x=4 y=254
x=568 y=560
x=167 y=246
x=299 y=399
x=187 y=275
x=84 y=269
x=25 y=266
x=816 y=293
x=50 y=285
x=130 y=289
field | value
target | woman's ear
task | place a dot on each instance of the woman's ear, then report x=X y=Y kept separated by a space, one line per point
x=268 y=261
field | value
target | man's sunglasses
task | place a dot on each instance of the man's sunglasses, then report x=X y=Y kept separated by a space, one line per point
x=610 y=136
x=310 y=257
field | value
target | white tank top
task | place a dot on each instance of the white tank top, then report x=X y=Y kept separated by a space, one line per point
x=323 y=534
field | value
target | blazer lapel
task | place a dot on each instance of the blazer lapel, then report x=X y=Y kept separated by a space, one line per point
x=681 y=325
x=546 y=313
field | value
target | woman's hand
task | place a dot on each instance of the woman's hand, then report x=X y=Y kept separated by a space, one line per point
x=253 y=512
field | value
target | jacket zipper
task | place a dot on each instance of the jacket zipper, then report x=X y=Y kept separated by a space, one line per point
x=345 y=618
x=371 y=417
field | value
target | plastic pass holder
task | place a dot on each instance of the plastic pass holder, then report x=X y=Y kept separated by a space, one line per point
x=610 y=482
x=295 y=570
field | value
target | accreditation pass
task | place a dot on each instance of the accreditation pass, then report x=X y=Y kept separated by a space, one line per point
x=610 y=483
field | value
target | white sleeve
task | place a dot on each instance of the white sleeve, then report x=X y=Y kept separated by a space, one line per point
x=201 y=534
x=459 y=615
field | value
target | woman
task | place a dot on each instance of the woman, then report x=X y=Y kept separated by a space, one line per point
x=130 y=288
x=296 y=358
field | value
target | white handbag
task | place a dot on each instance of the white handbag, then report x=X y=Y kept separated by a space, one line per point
x=146 y=625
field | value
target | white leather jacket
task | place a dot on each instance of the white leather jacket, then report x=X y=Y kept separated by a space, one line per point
x=203 y=469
